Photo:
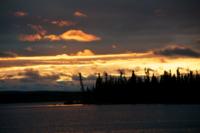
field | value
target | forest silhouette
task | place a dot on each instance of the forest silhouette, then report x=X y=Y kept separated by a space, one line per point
x=166 y=88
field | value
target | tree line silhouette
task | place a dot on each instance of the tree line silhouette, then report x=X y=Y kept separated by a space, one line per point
x=166 y=88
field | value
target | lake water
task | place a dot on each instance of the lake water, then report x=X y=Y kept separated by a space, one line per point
x=51 y=118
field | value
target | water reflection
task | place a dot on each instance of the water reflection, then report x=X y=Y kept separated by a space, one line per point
x=59 y=118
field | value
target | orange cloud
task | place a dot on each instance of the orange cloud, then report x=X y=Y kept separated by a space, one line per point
x=30 y=38
x=75 y=35
x=62 y=23
x=52 y=37
x=79 y=14
x=70 y=35
x=78 y=35
x=85 y=52
x=38 y=28
x=20 y=14
x=39 y=35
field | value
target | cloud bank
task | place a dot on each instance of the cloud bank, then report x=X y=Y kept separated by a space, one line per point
x=79 y=14
x=70 y=35
x=8 y=54
x=177 y=50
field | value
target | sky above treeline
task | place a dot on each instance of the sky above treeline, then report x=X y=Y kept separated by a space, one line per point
x=45 y=43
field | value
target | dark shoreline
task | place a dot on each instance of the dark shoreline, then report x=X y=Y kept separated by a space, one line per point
x=37 y=96
x=8 y=97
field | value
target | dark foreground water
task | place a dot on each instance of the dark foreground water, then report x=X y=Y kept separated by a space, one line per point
x=50 y=118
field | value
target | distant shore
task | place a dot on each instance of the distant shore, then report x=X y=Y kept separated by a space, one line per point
x=38 y=96
x=8 y=97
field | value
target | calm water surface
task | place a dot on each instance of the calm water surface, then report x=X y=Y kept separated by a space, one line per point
x=51 y=118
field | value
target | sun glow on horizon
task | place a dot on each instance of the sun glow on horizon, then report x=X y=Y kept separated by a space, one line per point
x=65 y=66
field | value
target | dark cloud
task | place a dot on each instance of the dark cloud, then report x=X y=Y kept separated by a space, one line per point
x=63 y=23
x=33 y=75
x=197 y=41
x=8 y=54
x=176 y=50
x=32 y=80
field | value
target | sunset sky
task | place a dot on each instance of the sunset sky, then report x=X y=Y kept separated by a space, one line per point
x=45 y=43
